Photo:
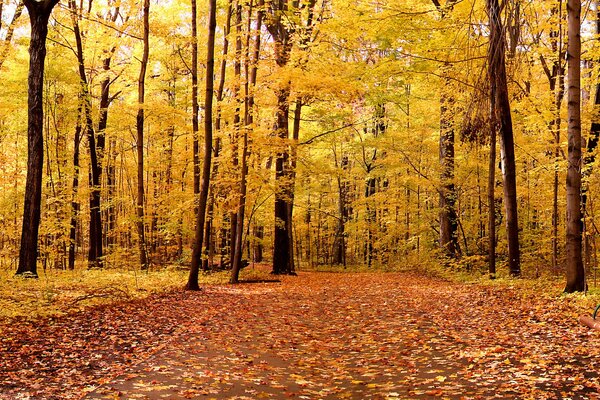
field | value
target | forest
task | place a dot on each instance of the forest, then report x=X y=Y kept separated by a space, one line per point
x=310 y=133
x=150 y=145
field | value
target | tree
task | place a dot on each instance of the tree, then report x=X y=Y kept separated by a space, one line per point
x=575 y=271
x=502 y=116
x=95 y=253
x=39 y=15
x=276 y=23
x=448 y=218
x=143 y=253
x=192 y=283
x=250 y=68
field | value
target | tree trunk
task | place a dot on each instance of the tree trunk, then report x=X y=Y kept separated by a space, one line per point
x=251 y=68
x=208 y=244
x=491 y=192
x=39 y=14
x=206 y=167
x=575 y=272
x=448 y=218
x=95 y=253
x=497 y=76
x=282 y=247
x=195 y=106
x=74 y=190
x=143 y=253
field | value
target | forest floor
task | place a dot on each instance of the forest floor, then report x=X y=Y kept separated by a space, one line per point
x=315 y=336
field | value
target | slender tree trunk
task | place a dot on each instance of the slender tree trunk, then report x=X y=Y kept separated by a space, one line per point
x=143 y=252
x=105 y=101
x=75 y=190
x=492 y=190
x=95 y=253
x=251 y=68
x=208 y=243
x=575 y=270
x=237 y=121
x=448 y=218
x=206 y=167
x=39 y=14
x=497 y=74
x=282 y=247
x=195 y=106
x=292 y=178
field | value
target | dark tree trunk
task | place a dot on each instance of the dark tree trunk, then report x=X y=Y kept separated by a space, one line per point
x=251 y=68
x=339 y=244
x=195 y=106
x=491 y=192
x=39 y=14
x=497 y=75
x=208 y=244
x=143 y=252
x=448 y=217
x=282 y=247
x=575 y=271
x=74 y=190
x=206 y=167
x=237 y=121
x=105 y=101
x=292 y=179
x=95 y=253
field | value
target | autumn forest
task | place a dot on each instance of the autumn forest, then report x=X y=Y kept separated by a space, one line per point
x=276 y=138
x=368 y=133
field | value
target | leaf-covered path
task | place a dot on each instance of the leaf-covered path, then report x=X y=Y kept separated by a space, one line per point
x=314 y=336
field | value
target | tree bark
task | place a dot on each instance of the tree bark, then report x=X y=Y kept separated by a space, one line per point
x=143 y=252
x=39 y=14
x=208 y=243
x=251 y=68
x=74 y=190
x=497 y=76
x=448 y=218
x=195 y=106
x=192 y=283
x=575 y=272
x=95 y=252
x=491 y=193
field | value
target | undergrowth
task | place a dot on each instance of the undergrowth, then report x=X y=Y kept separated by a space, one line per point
x=58 y=292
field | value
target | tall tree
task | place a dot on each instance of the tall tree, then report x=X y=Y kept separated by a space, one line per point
x=448 y=218
x=250 y=68
x=39 y=15
x=195 y=105
x=143 y=253
x=276 y=21
x=192 y=283
x=502 y=117
x=575 y=270
x=95 y=254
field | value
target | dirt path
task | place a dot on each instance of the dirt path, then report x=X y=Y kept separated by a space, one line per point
x=334 y=336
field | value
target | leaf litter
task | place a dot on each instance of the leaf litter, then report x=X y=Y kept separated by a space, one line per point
x=315 y=336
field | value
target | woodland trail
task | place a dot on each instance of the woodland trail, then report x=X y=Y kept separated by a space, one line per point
x=315 y=336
